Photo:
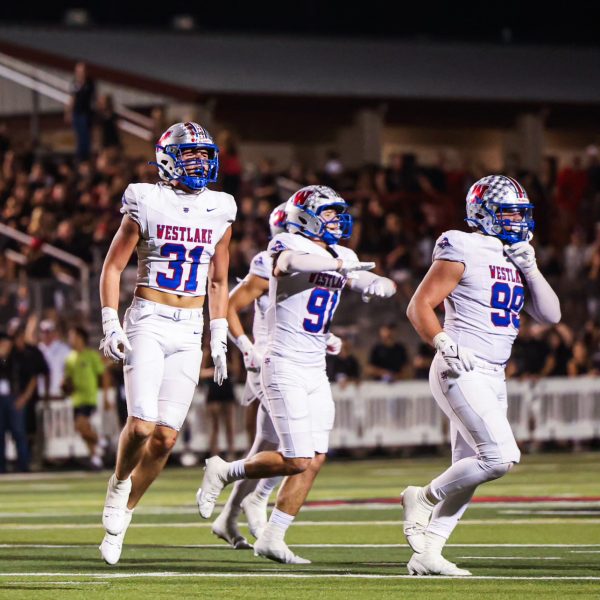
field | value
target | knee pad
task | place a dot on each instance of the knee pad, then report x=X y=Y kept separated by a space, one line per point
x=496 y=470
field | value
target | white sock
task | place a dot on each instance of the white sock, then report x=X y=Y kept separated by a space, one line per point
x=279 y=522
x=266 y=486
x=423 y=497
x=119 y=483
x=434 y=543
x=237 y=470
x=448 y=512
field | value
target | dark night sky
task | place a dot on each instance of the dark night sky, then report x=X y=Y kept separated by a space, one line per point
x=453 y=20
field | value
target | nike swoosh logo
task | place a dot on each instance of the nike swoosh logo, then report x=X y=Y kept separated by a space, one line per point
x=211 y=209
x=197 y=332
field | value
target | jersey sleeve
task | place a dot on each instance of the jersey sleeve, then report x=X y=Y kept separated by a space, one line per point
x=131 y=205
x=281 y=242
x=450 y=246
x=261 y=265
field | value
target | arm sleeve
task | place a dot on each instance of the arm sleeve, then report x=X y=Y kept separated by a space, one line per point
x=544 y=305
x=293 y=261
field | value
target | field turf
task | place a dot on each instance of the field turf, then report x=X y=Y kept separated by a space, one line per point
x=538 y=538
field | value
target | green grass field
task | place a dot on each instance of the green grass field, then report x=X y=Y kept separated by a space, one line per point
x=50 y=529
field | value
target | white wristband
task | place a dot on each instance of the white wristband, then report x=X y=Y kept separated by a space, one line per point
x=441 y=339
x=243 y=343
x=109 y=315
x=218 y=325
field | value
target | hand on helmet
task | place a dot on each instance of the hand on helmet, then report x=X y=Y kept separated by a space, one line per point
x=522 y=254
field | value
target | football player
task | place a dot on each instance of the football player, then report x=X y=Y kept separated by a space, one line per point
x=485 y=278
x=309 y=272
x=252 y=495
x=181 y=231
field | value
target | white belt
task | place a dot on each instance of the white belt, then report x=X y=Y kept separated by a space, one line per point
x=488 y=366
x=177 y=314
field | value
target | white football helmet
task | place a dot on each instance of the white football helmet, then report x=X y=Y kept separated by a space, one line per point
x=277 y=219
x=492 y=197
x=304 y=208
x=195 y=173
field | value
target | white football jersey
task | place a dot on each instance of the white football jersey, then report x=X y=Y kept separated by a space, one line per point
x=302 y=305
x=482 y=312
x=179 y=232
x=261 y=266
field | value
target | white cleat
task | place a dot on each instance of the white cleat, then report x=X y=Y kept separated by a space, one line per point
x=277 y=550
x=434 y=564
x=416 y=518
x=113 y=515
x=112 y=545
x=227 y=529
x=255 y=509
x=215 y=479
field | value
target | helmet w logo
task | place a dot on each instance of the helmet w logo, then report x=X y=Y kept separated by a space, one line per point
x=301 y=197
x=477 y=194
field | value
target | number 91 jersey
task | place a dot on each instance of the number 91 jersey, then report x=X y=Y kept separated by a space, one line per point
x=178 y=234
x=482 y=312
x=302 y=305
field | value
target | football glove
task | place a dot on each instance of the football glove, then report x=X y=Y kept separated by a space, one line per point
x=458 y=359
x=252 y=359
x=114 y=336
x=218 y=349
x=522 y=254
x=334 y=344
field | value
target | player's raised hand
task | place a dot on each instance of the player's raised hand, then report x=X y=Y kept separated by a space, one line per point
x=114 y=336
x=347 y=266
x=522 y=254
x=382 y=287
x=458 y=358
x=218 y=348
x=334 y=344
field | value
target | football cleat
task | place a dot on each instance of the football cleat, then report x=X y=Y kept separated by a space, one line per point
x=215 y=479
x=428 y=563
x=276 y=549
x=227 y=529
x=255 y=509
x=112 y=545
x=416 y=518
x=113 y=515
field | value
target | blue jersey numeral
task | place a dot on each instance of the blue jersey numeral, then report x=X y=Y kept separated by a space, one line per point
x=179 y=252
x=509 y=301
x=321 y=309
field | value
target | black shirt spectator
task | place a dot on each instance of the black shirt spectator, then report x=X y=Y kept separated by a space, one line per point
x=343 y=367
x=388 y=357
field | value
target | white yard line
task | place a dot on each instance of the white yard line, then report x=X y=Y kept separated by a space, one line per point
x=550 y=512
x=201 y=525
x=275 y=574
x=512 y=557
x=223 y=545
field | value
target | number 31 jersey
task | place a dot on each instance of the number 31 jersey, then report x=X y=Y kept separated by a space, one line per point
x=301 y=305
x=482 y=312
x=178 y=234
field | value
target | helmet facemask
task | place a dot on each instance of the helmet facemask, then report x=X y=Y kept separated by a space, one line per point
x=305 y=211
x=491 y=205
x=191 y=169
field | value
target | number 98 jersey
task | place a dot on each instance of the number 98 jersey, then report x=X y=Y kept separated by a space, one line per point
x=302 y=305
x=178 y=234
x=482 y=312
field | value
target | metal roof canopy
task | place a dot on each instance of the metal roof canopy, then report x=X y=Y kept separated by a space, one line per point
x=199 y=64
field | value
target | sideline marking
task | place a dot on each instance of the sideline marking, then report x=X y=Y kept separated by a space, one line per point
x=271 y=574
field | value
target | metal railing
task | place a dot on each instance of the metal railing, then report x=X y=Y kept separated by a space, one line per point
x=52 y=86
x=58 y=254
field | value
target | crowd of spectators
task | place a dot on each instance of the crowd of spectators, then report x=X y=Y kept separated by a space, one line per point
x=399 y=211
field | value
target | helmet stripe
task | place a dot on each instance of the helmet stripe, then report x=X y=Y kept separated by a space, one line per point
x=520 y=191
